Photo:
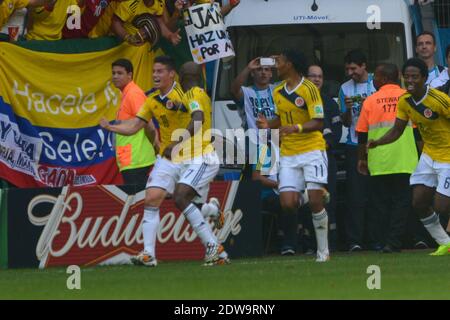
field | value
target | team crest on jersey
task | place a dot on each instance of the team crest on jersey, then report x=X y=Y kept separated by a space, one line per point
x=194 y=105
x=318 y=110
x=170 y=104
x=10 y=5
x=428 y=113
x=299 y=102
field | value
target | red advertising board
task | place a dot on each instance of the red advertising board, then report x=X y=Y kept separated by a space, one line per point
x=102 y=225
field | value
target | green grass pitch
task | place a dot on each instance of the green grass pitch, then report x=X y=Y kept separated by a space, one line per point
x=407 y=275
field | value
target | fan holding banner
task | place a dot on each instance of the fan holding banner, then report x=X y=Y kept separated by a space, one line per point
x=206 y=33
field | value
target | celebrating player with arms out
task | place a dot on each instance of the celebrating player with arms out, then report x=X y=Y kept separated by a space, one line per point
x=429 y=109
x=164 y=104
x=299 y=111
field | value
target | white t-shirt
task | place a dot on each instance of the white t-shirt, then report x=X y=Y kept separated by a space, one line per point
x=353 y=89
x=257 y=101
x=441 y=80
x=433 y=74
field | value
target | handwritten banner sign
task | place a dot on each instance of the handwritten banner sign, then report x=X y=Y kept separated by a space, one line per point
x=207 y=36
x=50 y=110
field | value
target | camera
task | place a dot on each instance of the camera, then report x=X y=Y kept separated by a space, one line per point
x=356 y=99
x=267 y=62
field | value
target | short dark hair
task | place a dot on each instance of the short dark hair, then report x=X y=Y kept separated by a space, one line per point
x=298 y=60
x=167 y=61
x=125 y=63
x=389 y=71
x=418 y=63
x=355 y=56
x=424 y=33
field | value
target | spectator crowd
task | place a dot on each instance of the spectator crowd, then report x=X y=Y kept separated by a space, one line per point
x=133 y=21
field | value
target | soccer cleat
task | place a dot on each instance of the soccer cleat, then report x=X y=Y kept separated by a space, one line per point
x=212 y=254
x=355 y=248
x=218 y=219
x=223 y=261
x=421 y=245
x=322 y=257
x=144 y=259
x=288 y=251
x=443 y=250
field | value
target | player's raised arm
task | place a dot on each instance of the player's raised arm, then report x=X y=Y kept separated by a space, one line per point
x=124 y=127
x=392 y=135
x=238 y=82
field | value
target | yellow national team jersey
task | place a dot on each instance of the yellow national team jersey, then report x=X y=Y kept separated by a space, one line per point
x=196 y=99
x=298 y=107
x=128 y=10
x=167 y=111
x=432 y=117
x=7 y=8
x=47 y=25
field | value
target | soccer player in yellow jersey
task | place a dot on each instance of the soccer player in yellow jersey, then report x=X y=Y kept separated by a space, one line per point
x=300 y=114
x=429 y=109
x=200 y=162
x=7 y=7
x=164 y=104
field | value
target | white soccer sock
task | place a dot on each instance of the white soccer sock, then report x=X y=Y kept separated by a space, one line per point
x=434 y=227
x=320 y=222
x=209 y=210
x=150 y=225
x=198 y=223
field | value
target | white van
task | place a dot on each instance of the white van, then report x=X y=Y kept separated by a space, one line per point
x=325 y=30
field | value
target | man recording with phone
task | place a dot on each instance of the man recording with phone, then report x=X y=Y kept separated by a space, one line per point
x=256 y=98
x=253 y=100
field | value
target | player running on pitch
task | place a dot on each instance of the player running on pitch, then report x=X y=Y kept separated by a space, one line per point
x=300 y=114
x=429 y=109
x=164 y=104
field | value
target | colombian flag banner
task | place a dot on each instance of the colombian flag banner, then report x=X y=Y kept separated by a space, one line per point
x=50 y=107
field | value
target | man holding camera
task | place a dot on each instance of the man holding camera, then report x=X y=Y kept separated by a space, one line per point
x=251 y=101
x=256 y=98
x=351 y=97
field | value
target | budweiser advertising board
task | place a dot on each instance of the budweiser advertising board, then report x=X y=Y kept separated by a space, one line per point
x=102 y=225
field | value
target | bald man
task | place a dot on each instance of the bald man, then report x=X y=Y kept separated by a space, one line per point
x=198 y=159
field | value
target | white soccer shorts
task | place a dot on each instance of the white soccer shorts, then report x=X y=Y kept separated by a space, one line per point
x=164 y=175
x=309 y=168
x=199 y=173
x=432 y=174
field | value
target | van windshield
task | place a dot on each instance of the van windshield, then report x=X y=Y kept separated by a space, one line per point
x=325 y=44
